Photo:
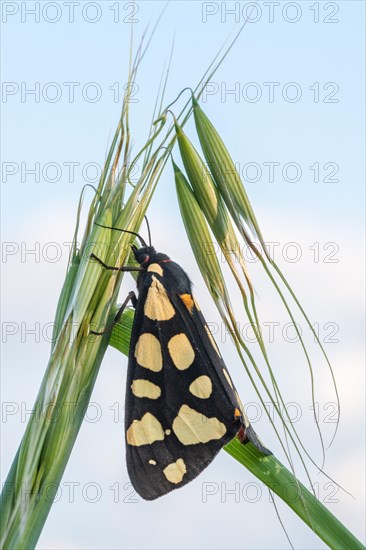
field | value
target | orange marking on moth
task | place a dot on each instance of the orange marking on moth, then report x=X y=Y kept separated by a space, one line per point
x=187 y=301
x=237 y=414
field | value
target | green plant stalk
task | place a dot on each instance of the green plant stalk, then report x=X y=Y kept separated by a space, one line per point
x=284 y=484
x=37 y=508
x=65 y=391
x=269 y=470
x=231 y=188
x=58 y=413
x=85 y=301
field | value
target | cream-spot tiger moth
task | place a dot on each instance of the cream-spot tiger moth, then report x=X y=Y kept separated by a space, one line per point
x=181 y=404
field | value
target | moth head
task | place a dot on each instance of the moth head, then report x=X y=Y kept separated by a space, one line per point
x=144 y=255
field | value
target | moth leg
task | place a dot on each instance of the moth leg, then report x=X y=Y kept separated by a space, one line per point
x=131 y=297
x=123 y=268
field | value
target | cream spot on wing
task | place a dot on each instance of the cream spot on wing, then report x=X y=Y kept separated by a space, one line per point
x=227 y=376
x=158 y=306
x=181 y=351
x=145 y=431
x=153 y=462
x=212 y=340
x=168 y=432
x=156 y=268
x=196 y=304
x=144 y=388
x=192 y=427
x=201 y=387
x=175 y=471
x=148 y=352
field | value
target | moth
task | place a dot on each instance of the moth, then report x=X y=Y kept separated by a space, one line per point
x=181 y=405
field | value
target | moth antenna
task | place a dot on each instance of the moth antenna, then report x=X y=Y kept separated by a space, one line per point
x=148 y=229
x=124 y=231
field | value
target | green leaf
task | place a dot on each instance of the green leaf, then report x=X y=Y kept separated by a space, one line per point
x=121 y=333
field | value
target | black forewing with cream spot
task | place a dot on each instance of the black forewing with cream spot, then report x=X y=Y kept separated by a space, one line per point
x=181 y=405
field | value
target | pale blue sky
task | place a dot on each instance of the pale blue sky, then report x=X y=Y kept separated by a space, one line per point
x=324 y=130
